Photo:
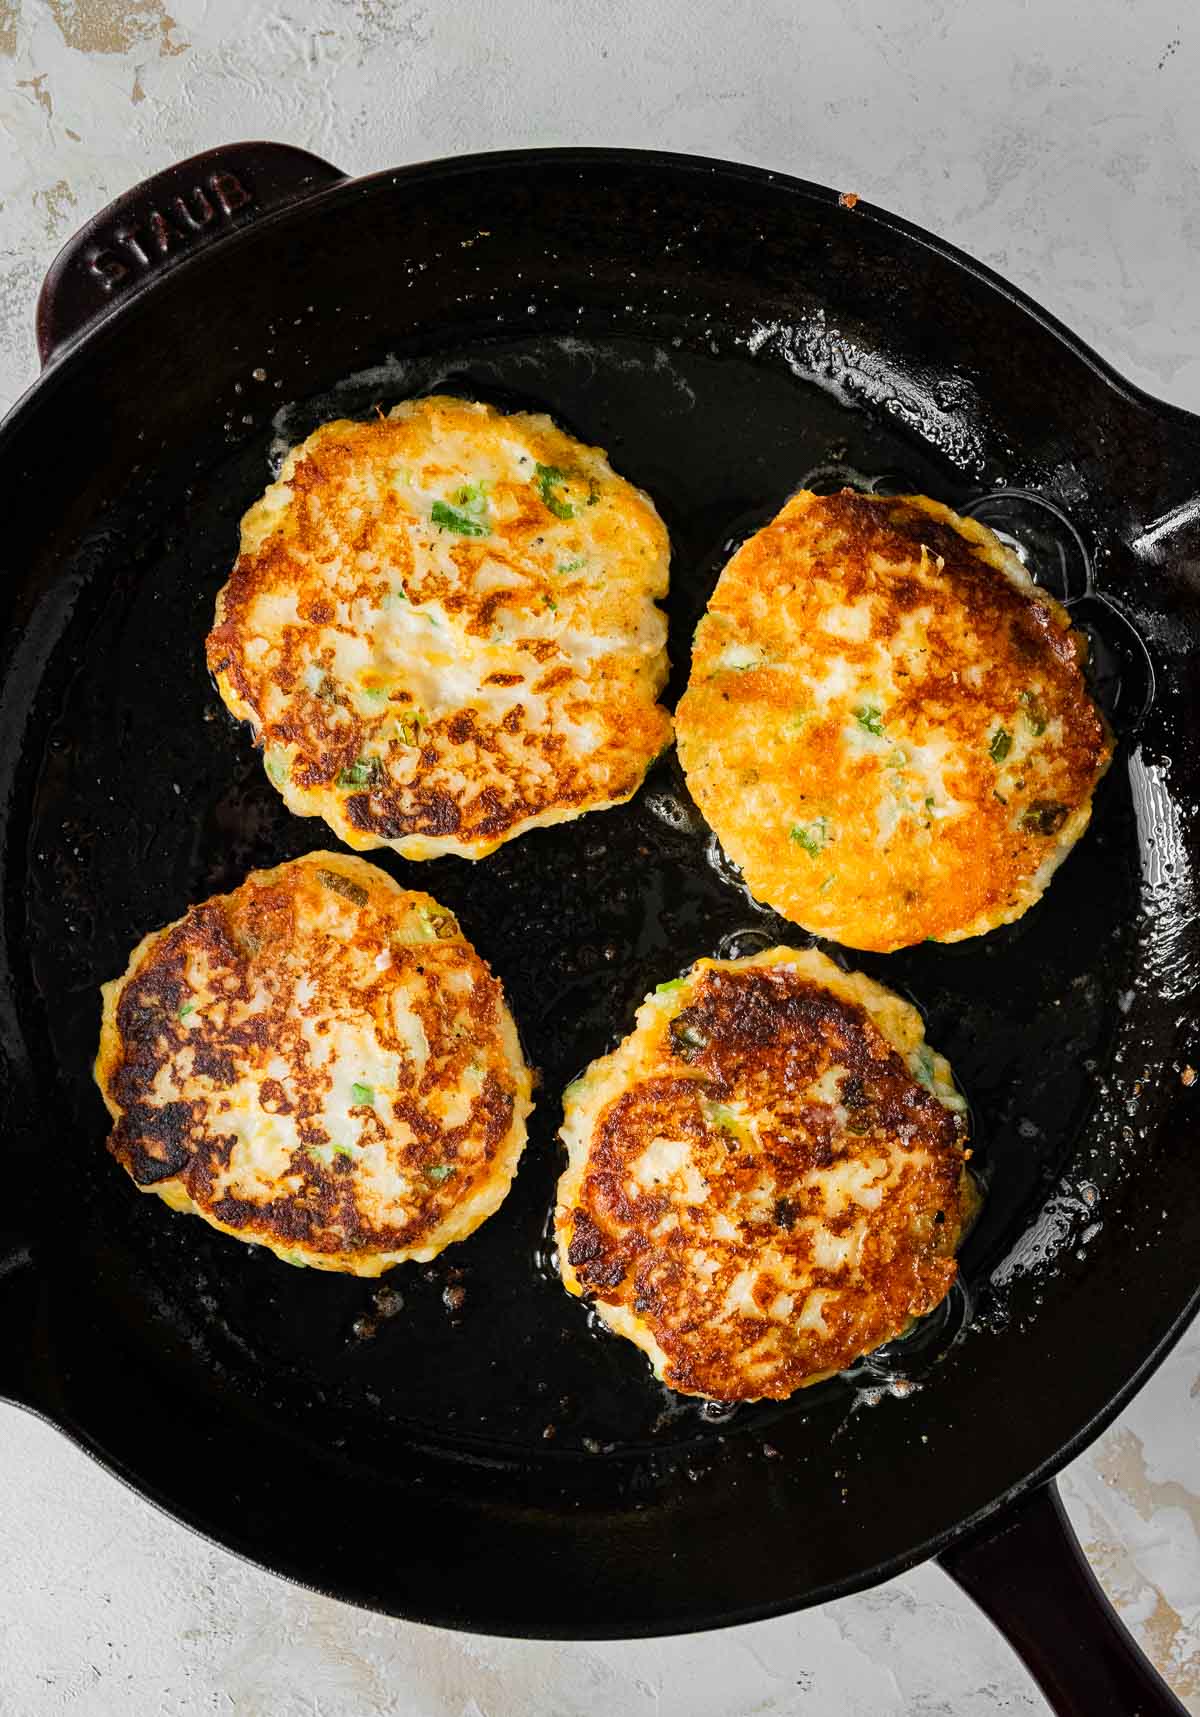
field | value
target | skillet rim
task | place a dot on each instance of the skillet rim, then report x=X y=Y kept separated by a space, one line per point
x=460 y=165
x=703 y=1620
x=732 y=173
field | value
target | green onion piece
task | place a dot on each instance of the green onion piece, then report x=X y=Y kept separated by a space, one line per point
x=869 y=717
x=362 y=1093
x=922 y=1065
x=278 y=766
x=1000 y=745
x=719 y=1115
x=438 y=926
x=362 y=773
x=466 y=524
x=549 y=478
x=567 y=566
x=1035 y=715
x=687 y=1040
x=343 y=885
x=669 y=986
x=1043 y=817
x=814 y=837
x=185 y=1009
x=326 y=1153
x=438 y=1172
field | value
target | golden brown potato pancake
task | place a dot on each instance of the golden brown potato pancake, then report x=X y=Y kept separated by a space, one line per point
x=766 y=1179
x=320 y=1063
x=442 y=629
x=887 y=723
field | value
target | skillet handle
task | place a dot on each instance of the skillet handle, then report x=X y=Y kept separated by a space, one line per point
x=1028 y=1573
x=124 y=249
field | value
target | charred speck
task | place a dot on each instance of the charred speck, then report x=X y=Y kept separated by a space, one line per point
x=154 y=1142
x=214 y=1064
x=600 y=1274
x=587 y=1242
x=1043 y=817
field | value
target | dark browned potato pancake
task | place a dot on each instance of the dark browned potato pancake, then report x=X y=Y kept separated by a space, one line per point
x=319 y=1063
x=442 y=629
x=887 y=724
x=766 y=1179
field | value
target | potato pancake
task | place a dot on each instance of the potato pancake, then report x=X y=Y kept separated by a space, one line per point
x=766 y=1179
x=318 y=1063
x=887 y=723
x=443 y=631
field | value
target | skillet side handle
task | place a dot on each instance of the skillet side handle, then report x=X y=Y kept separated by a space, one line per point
x=124 y=249
x=1029 y=1575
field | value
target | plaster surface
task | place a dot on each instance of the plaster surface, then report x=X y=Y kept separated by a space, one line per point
x=1059 y=143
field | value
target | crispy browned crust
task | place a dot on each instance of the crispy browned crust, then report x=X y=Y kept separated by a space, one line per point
x=966 y=649
x=767 y=1036
x=476 y=776
x=255 y=946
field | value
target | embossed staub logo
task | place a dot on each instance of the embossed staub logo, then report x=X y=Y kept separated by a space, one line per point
x=136 y=245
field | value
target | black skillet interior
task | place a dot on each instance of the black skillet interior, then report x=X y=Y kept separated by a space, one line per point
x=462 y=1443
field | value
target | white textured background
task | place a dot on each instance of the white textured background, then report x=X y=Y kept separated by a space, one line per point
x=1059 y=142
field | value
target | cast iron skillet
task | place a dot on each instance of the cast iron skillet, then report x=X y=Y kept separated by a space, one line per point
x=480 y=1455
